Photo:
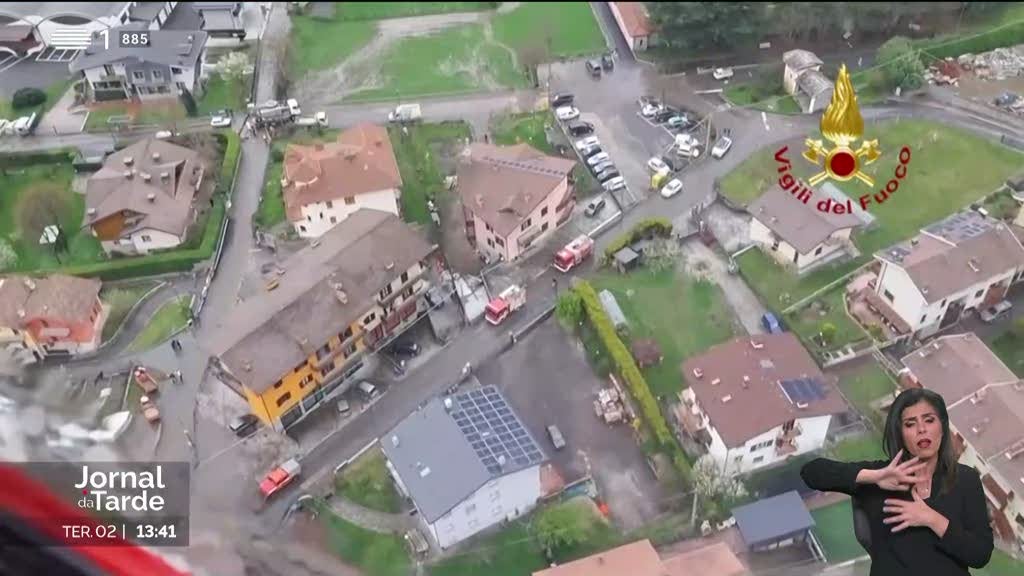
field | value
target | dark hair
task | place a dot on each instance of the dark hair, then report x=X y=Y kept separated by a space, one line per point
x=892 y=441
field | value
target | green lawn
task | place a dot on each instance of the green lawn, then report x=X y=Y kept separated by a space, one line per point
x=827 y=308
x=858 y=448
x=748 y=96
x=834 y=530
x=367 y=482
x=1009 y=346
x=170 y=318
x=454 y=60
x=220 y=95
x=778 y=287
x=684 y=316
x=416 y=153
x=53 y=94
x=527 y=128
x=1001 y=564
x=320 y=44
x=374 y=553
x=510 y=552
x=382 y=10
x=163 y=114
x=120 y=300
x=570 y=26
x=22 y=254
x=867 y=384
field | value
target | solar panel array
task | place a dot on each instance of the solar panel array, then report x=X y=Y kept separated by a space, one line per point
x=493 y=430
x=961 y=226
x=803 y=390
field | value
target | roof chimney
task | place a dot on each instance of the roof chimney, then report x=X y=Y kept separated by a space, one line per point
x=726 y=398
x=30 y=284
x=716 y=381
x=698 y=373
x=390 y=265
x=165 y=175
x=156 y=156
x=746 y=381
x=501 y=460
x=914 y=241
x=973 y=264
x=801 y=405
x=146 y=177
x=248 y=366
x=91 y=211
x=151 y=197
x=128 y=160
x=21 y=312
x=128 y=174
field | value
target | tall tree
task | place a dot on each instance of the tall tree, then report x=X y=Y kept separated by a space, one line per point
x=41 y=207
x=234 y=69
x=900 y=64
x=707 y=25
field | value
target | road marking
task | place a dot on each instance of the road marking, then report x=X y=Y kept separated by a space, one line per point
x=764 y=118
x=12 y=64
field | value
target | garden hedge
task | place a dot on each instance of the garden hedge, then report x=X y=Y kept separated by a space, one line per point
x=644 y=228
x=61 y=156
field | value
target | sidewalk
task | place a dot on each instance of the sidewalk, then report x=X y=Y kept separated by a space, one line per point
x=370 y=519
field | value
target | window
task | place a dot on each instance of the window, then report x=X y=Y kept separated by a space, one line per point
x=386 y=291
x=175 y=70
x=499 y=241
x=526 y=224
x=321 y=215
x=305 y=382
x=284 y=398
x=349 y=350
x=738 y=458
x=277 y=384
x=923 y=318
x=544 y=227
x=370 y=318
x=405 y=277
x=888 y=295
x=818 y=251
x=334 y=220
x=760 y=445
x=330 y=204
x=488 y=227
x=775 y=244
x=146 y=238
x=346 y=334
x=139 y=75
x=943 y=304
x=350 y=200
x=108 y=69
x=979 y=293
x=758 y=459
x=302 y=228
x=544 y=211
x=490 y=242
x=158 y=75
x=309 y=217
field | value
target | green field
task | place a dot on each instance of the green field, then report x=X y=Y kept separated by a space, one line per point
x=684 y=316
x=528 y=127
x=570 y=27
x=120 y=300
x=22 y=254
x=162 y=114
x=321 y=44
x=53 y=94
x=367 y=483
x=382 y=10
x=1009 y=346
x=748 y=96
x=417 y=154
x=831 y=309
x=1001 y=564
x=859 y=448
x=510 y=552
x=454 y=60
x=374 y=553
x=778 y=287
x=168 y=319
x=865 y=385
x=834 y=530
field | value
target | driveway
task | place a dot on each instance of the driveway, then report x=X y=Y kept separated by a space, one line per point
x=702 y=261
x=548 y=381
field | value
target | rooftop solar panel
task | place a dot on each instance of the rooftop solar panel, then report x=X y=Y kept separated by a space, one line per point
x=493 y=430
x=803 y=390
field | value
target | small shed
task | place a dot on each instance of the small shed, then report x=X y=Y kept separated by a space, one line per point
x=611 y=308
x=774 y=522
x=1016 y=183
x=626 y=259
x=646 y=352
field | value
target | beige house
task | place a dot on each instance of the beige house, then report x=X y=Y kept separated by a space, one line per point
x=324 y=184
x=512 y=197
x=142 y=198
x=985 y=400
x=803 y=79
x=798 y=235
x=953 y=267
x=635 y=24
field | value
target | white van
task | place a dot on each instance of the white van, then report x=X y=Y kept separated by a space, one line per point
x=369 y=390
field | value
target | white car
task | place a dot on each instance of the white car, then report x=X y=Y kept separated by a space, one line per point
x=721 y=147
x=163 y=135
x=657 y=165
x=567 y=113
x=220 y=121
x=672 y=188
x=293 y=107
x=614 y=184
x=687 y=145
x=651 y=109
x=722 y=73
x=587 y=142
x=598 y=158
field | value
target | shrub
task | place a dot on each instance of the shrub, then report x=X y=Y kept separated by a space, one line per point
x=569 y=309
x=229 y=165
x=27 y=97
x=828 y=332
x=30 y=158
x=644 y=229
x=277 y=154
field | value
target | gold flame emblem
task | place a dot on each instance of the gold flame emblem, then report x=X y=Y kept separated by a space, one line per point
x=842 y=125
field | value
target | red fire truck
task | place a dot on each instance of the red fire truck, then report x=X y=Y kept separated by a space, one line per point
x=574 y=253
x=510 y=300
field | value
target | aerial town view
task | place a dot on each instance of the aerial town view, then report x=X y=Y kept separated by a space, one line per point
x=511 y=288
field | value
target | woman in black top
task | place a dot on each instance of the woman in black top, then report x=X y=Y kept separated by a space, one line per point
x=927 y=513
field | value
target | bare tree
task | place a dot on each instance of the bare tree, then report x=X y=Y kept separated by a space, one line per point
x=530 y=57
x=40 y=208
x=234 y=69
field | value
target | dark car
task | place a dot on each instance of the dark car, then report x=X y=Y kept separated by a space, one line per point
x=409 y=349
x=594 y=67
x=663 y=116
x=771 y=323
x=607 y=62
x=590 y=151
x=561 y=99
x=601 y=167
x=607 y=174
x=244 y=425
x=581 y=128
x=674 y=164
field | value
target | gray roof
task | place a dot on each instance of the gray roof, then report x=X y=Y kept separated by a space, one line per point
x=273 y=332
x=443 y=455
x=167 y=47
x=813 y=82
x=92 y=10
x=800 y=59
x=772 y=519
x=801 y=225
x=184 y=17
x=145 y=11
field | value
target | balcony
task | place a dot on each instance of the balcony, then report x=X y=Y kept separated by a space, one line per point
x=691 y=422
x=383 y=299
x=790 y=435
x=784 y=447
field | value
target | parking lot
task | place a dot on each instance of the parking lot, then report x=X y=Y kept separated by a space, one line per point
x=547 y=379
x=51 y=54
x=28 y=73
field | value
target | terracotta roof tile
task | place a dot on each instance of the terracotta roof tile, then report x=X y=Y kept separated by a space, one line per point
x=58 y=296
x=636 y=18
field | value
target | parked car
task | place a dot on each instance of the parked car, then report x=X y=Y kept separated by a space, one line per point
x=771 y=323
x=580 y=128
x=598 y=158
x=594 y=67
x=409 y=349
x=650 y=109
x=687 y=145
x=369 y=390
x=587 y=142
x=560 y=99
x=590 y=151
x=594 y=207
x=221 y=119
x=656 y=165
x=607 y=174
x=244 y=425
x=645 y=100
x=567 y=113
x=662 y=116
x=614 y=184
x=163 y=135
x=293 y=107
x=674 y=164
x=607 y=62
x=279 y=477
x=557 y=440
x=679 y=122
x=996 y=311
x=598 y=168
x=721 y=147
x=722 y=73
x=673 y=187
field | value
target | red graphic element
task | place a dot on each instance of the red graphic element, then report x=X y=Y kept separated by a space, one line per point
x=85 y=491
x=843 y=164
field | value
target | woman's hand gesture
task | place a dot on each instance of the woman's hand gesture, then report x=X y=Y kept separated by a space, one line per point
x=896 y=476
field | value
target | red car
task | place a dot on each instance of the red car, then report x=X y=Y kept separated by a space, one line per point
x=280 y=477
